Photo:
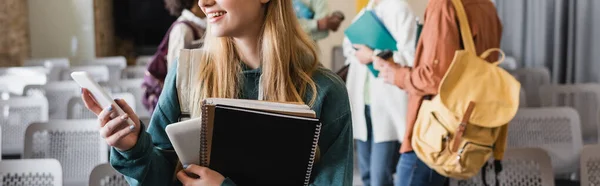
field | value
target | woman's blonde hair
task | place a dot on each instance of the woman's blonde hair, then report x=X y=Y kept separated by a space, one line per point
x=288 y=59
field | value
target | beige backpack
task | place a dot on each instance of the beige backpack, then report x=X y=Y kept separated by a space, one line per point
x=456 y=131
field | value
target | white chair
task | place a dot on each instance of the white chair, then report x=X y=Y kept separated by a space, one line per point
x=58 y=95
x=115 y=65
x=77 y=110
x=556 y=130
x=54 y=66
x=590 y=165
x=585 y=98
x=45 y=61
x=521 y=167
x=143 y=60
x=47 y=172
x=522 y=99
x=105 y=175
x=14 y=79
x=134 y=72
x=0 y=143
x=16 y=114
x=76 y=144
x=531 y=79
x=133 y=86
x=99 y=73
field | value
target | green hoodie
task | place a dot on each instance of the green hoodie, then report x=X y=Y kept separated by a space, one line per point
x=152 y=160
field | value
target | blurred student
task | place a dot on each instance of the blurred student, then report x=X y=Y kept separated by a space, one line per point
x=188 y=29
x=255 y=49
x=379 y=109
x=439 y=41
x=315 y=18
x=185 y=33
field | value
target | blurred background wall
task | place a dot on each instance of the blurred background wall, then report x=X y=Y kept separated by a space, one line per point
x=14 y=32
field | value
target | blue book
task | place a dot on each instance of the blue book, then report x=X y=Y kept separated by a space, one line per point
x=302 y=11
x=370 y=31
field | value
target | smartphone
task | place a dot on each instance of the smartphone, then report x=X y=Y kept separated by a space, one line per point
x=386 y=54
x=85 y=81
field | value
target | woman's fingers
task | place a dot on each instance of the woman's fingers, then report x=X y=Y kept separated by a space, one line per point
x=105 y=115
x=89 y=101
x=123 y=131
x=183 y=177
x=115 y=124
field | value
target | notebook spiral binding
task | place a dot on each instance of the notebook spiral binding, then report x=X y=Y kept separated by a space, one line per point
x=203 y=140
x=313 y=152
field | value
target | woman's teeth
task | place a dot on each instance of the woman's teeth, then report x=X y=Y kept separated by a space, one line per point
x=216 y=14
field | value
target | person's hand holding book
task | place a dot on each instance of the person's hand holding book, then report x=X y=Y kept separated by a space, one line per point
x=389 y=71
x=363 y=53
x=205 y=176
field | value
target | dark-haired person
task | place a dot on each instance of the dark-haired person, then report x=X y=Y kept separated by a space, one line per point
x=182 y=35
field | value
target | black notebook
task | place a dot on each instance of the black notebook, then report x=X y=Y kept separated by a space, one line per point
x=251 y=142
x=255 y=147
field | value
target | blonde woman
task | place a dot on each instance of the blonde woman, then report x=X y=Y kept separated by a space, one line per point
x=251 y=46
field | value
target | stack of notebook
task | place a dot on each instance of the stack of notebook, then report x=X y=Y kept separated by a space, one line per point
x=251 y=142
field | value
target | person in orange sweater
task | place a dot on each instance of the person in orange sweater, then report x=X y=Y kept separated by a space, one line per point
x=439 y=40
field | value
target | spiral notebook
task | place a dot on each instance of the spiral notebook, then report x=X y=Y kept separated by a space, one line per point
x=251 y=142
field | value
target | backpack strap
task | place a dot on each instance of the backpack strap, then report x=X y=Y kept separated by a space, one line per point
x=185 y=65
x=193 y=27
x=163 y=47
x=465 y=29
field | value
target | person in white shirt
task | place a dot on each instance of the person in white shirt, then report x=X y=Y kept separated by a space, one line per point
x=182 y=35
x=379 y=109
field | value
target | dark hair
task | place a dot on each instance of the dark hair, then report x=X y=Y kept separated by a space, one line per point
x=175 y=7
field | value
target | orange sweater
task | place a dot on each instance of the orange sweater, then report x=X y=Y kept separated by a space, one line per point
x=439 y=40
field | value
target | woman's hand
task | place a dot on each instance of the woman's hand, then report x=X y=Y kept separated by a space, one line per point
x=389 y=71
x=114 y=128
x=363 y=53
x=206 y=176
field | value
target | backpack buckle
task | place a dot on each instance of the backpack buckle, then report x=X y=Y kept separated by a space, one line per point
x=462 y=127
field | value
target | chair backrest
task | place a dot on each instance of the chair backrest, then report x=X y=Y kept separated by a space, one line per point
x=58 y=94
x=132 y=86
x=585 y=98
x=100 y=73
x=0 y=143
x=337 y=58
x=14 y=79
x=134 y=72
x=143 y=60
x=46 y=61
x=54 y=66
x=590 y=165
x=77 y=110
x=15 y=84
x=47 y=172
x=105 y=175
x=556 y=130
x=531 y=79
x=522 y=99
x=16 y=114
x=524 y=166
x=115 y=65
x=76 y=144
